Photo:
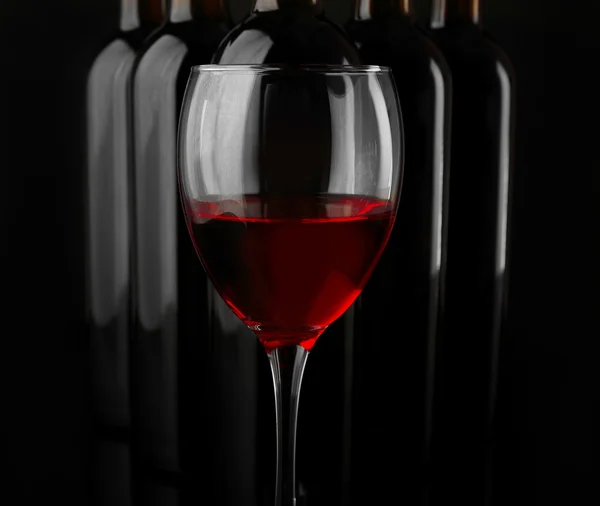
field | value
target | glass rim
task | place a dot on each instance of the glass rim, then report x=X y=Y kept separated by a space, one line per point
x=324 y=69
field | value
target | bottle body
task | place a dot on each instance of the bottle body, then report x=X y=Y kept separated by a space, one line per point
x=401 y=308
x=171 y=317
x=109 y=227
x=109 y=251
x=478 y=250
x=194 y=361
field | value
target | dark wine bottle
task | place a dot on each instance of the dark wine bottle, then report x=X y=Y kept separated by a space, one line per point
x=286 y=31
x=193 y=361
x=401 y=308
x=171 y=303
x=109 y=212
x=478 y=232
x=298 y=32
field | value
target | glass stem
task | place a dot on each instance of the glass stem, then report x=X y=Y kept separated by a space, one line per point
x=287 y=367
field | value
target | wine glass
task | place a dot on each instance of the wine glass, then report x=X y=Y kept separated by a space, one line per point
x=290 y=178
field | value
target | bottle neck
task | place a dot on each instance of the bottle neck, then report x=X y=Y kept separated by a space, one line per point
x=137 y=13
x=274 y=5
x=368 y=9
x=444 y=12
x=188 y=10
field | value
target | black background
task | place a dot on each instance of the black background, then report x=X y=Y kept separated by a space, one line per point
x=545 y=429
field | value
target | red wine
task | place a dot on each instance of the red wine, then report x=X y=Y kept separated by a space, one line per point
x=109 y=211
x=290 y=266
x=478 y=249
x=405 y=295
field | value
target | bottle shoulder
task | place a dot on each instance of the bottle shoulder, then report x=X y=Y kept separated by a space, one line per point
x=133 y=39
x=400 y=43
x=502 y=59
x=140 y=37
x=469 y=45
x=287 y=36
x=113 y=61
x=481 y=71
x=198 y=39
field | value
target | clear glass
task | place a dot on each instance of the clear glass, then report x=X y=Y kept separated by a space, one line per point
x=290 y=178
